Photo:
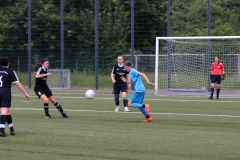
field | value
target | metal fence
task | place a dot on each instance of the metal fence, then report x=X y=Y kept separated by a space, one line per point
x=86 y=36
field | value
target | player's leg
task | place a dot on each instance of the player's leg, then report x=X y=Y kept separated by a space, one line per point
x=211 y=91
x=218 y=91
x=213 y=80
x=44 y=98
x=6 y=99
x=218 y=87
x=10 y=123
x=124 y=96
x=58 y=106
x=125 y=101
x=136 y=102
x=116 y=92
x=3 y=120
x=41 y=95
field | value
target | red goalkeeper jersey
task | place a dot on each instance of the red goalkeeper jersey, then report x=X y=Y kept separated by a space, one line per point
x=217 y=68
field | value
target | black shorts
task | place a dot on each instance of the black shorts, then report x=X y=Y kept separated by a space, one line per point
x=42 y=89
x=5 y=97
x=216 y=79
x=119 y=87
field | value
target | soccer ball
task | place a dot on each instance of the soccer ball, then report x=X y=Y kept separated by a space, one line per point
x=90 y=94
x=203 y=89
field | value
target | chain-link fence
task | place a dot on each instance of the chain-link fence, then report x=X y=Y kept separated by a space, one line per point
x=115 y=32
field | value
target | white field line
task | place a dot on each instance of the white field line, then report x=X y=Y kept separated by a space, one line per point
x=148 y=99
x=96 y=111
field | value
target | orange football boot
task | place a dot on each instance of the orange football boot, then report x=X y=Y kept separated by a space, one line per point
x=150 y=119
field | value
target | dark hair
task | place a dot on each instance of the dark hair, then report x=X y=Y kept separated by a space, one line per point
x=37 y=65
x=4 y=61
x=128 y=63
x=120 y=56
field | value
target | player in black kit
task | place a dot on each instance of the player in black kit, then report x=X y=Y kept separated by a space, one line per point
x=42 y=90
x=7 y=76
x=118 y=85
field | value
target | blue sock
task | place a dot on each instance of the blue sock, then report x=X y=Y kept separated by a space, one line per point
x=136 y=105
x=143 y=110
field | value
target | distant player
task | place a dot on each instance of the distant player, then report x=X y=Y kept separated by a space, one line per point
x=139 y=90
x=217 y=74
x=7 y=76
x=42 y=90
x=119 y=85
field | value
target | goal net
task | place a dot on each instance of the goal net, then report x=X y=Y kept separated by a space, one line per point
x=183 y=63
x=59 y=79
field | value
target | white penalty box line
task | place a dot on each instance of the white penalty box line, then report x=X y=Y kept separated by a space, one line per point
x=96 y=111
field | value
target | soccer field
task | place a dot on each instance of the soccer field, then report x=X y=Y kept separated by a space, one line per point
x=184 y=128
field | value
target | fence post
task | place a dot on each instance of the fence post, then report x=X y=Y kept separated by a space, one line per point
x=132 y=32
x=168 y=49
x=62 y=41
x=29 y=43
x=208 y=43
x=96 y=43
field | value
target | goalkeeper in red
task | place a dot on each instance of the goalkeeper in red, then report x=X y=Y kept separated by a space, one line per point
x=217 y=74
x=139 y=90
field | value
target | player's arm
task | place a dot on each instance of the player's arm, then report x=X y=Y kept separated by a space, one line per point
x=113 y=75
x=211 y=69
x=37 y=75
x=113 y=78
x=146 y=79
x=129 y=81
x=19 y=85
x=223 y=73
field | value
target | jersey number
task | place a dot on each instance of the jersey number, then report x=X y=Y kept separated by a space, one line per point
x=1 y=82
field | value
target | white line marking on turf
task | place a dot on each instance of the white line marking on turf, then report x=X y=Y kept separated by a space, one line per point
x=149 y=99
x=176 y=114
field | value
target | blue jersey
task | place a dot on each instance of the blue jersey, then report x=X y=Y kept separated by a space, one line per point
x=136 y=81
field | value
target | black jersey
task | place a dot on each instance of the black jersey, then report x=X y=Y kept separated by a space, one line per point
x=7 y=76
x=41 y=80
x=119 y=71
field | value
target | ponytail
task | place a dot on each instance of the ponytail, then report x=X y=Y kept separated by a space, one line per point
x=37 y=65
x=40 y=64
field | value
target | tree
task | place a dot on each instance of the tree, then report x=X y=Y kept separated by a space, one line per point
x=189 y=18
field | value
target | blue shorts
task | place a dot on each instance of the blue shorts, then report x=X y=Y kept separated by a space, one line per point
x=137 y=97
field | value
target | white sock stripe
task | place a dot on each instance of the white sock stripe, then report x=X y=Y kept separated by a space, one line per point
x=10 y=125
x=2 y=125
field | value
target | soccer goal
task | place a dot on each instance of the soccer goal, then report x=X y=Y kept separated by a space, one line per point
x=183 y=63
x=60 y=79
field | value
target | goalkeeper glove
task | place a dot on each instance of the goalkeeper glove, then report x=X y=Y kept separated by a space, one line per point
x=223 y=76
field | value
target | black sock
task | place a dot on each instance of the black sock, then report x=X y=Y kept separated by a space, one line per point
x=117 y=103
x=116 y=99
x=218 y=91
x=212 y=90
x=143 y=105
x=3 y=122
x=46 y=108
x=147 y=116
x=58 y=106
x=9 y=122
x=125 y=102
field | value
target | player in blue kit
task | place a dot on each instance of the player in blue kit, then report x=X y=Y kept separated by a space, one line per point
x=139 y=90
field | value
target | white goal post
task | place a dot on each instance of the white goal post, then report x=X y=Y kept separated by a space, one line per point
x=183 y=63
x=59 y=79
